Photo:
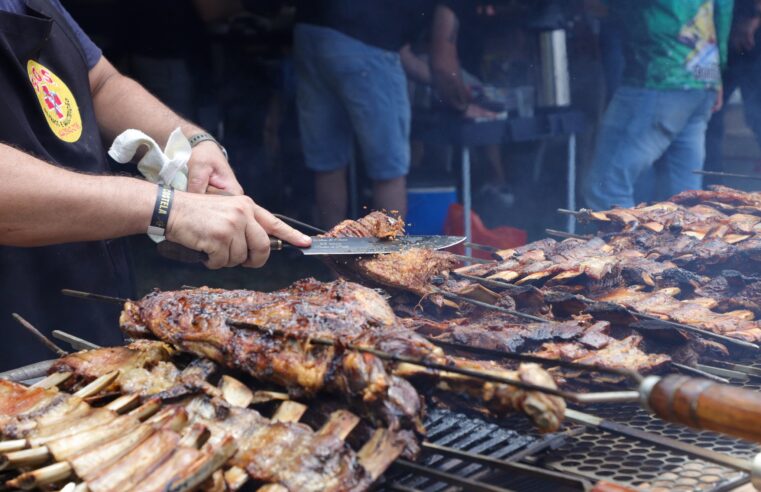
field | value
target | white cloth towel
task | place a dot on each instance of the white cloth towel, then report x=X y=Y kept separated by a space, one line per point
x=168 y=167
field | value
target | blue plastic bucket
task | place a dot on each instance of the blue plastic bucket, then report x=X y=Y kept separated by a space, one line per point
x=427 y=209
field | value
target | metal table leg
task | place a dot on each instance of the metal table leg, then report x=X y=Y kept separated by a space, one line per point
x=571 y=190
x=466 y=197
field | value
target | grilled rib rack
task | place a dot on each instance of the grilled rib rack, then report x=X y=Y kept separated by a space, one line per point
x=629 y=448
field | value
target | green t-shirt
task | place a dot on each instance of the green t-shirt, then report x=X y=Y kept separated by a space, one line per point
x=674 y=44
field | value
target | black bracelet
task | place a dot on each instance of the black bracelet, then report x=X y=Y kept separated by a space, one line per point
x=161 y=210
x=205 y=137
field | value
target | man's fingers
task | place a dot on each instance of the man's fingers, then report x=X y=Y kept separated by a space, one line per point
x=238 y=251
x=198 y=178
x=218 y=259
x=227 y=184
x=276 y=227
x=258 y=244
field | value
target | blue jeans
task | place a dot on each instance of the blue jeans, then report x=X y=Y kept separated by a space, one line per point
x=744 y=72
x=641 y=126
x=349 y=89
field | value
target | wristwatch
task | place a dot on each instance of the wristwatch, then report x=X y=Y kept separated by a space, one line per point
x=206 y=137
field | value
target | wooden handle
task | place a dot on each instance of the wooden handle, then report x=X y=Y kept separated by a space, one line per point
x=178 y=252
x=706 y=405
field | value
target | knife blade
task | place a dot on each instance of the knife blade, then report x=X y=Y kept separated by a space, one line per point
x=374 y=246
x=328 y=246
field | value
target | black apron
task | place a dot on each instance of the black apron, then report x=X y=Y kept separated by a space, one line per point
x=41 y=119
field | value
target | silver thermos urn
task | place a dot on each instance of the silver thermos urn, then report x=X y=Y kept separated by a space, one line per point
x=556 y=87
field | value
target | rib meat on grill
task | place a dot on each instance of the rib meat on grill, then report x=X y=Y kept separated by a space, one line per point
x=196 y=321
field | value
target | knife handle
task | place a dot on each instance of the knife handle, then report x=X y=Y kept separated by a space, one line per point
x=705 y=405
x=178 y=252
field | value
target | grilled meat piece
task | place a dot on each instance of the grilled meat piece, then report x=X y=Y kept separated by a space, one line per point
x=696 y=312
x=575 y=340
x=196 y=321
x=732 y=291
x=285 y=453
x=411 y=270
x=18 y=400
x=614 y=354
x=497 y=331
x=718 y=194
x=144 y=367
x=375 y=224
x=586 y=265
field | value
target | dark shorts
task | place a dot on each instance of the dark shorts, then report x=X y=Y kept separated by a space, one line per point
x=348 y=89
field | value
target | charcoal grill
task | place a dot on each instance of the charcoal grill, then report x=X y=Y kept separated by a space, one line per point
x=665 y=457
x=633 y=449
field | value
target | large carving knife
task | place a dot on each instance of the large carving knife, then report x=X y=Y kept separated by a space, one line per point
x=329 y=246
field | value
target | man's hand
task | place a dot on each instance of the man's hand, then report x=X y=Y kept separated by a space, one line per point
x=476 y=112
x=208 y=167
x=232 y=230
x=743 y=37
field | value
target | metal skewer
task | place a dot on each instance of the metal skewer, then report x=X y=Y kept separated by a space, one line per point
x=632 y=375
x=692 y=329
x=619 y=396
x=567 y=235
x=38 y=334
x=456 y=297
x=92 y=297
x=293 y=221
x=727 y=175
x=699 y=372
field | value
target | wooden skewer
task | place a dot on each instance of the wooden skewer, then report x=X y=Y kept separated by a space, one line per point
x=124 y=403
x=236 y=478
x=379 y=452
x=272 y=487
x=14 y=445
x=42 y=477
x=195 y=437
x=267 y=396
x=38 y=334
x=53 y=380
x=201 y=470
x=26 y=457
x=235 y=392
x=339 y=424
x=289 y=411
x=98 y=385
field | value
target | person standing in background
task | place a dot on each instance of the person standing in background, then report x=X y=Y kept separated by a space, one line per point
x=672 y=83
x=352 y=84
x=743 y=72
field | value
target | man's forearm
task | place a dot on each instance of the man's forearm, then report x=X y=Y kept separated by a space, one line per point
x=445 y=64
x=121 y=103
x=416 y=68
x=42 y=204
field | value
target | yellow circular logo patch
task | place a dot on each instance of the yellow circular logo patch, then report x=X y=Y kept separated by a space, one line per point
x=57 y=102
